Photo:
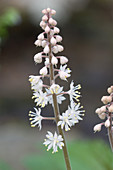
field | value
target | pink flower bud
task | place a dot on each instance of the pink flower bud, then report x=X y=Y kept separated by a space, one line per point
x=97 y=128
x=48 y=9
x=103 y=109
x=58 y=38
x=38 y=58
x=45 y=18
x=43 y=24
x=109 y=90
x=63 y=60
x=54 y=60
x=55 y=49
x=44 y=11
x=56 y=30
x=44 y=43
x=46 y=49
x=106 y=99
x=102 y=115
x=53 y=41
x=47 y=29
x=53 y=12
x=43 y=71
x=38 y=43
x=46 y=61
x=98 y=111
x=107 y=123
x=52 y=21
x=110 y=108
x=60 y=48
x=41 y=36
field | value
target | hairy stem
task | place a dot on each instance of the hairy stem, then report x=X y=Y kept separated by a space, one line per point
x=110 y=132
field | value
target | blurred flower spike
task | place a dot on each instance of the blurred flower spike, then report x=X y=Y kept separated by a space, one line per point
x=52 y=93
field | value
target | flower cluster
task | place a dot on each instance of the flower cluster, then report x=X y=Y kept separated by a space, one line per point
x=105 y=111
x=43 y=94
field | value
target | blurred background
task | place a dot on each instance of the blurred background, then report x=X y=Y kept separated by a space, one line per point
x=87 y=30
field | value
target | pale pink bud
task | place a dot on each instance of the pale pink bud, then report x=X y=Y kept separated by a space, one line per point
x=46 y=49
x=53 y=12
x=60 y=48
x=107 y=123
x=38 y=58
x=47 y=29
x=43 y=24
x=102 y=115
x=44 y=11
x=45 y=18
x=54 y=60
x=53 y=41
x=48 y=9
x=43 y=71
x=52 y=21
x=46 y=61
x=103 y=109
x=63 y=60
x=38 y=42
x=44 y=43
x=97 y=128
x=98 y=111
x=56 y=30
x=110 y=108
x=55 y=49
x=106 y=99
x=109 y=90
x=41 y=36
x=58 y=38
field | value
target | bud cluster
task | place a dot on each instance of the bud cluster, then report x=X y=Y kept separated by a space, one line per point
x=105 y=111
x=43 y=94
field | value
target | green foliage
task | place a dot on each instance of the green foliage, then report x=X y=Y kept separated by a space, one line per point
x=4 y=166
x=88 y=155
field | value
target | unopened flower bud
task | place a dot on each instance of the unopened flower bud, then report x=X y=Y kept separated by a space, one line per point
x=103 y=109
x=48 y=9
x=56 y=30
x=106 y=99
x=46 y=61
x=43 y=24
x=98 y=111
x=38 y=43
x=107 y=123
x=60 y=48
x=109 y=90
x=102 y=115
x=44 y=43
x=45 y=18
x=43 y=71
x=63 y=60
x=53 y=12
x=47 y=29
x=53 y=41
x=46 y=49
x=52 y=21
x=44 y=11
x=38 y=58
x=97 y=128
x=55 y=49
x=41 y=36
x=58 y=38
x=54 y=60
x=110 y=108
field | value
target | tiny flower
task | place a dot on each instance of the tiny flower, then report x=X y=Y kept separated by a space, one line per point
x=46 y=61
x=43 y=71
x=36 y=82
x=48 y=9
x=43 y=24
x=64 y=72
x=73 y=93
x=54 y=88
x=103 y=109
x=106 y=99
x=97 y=128
x=40 y=98
x=55 y=49
x=107 y=123
x=53 y=12
x=46 y=49
x=38 y=43
x=53 y=41
x=102 y=115
x=52 y=22
x=38 y=58
x=54 y=60
x=63 y=60
x=98 y=111
x=36 y=118
x=109 y=90
x=45 y=18
x=47 y=29
x=41 y=36
x=53 y=141
x=110 y=108
x=56 y=30
x=60 y=48
x=58 y=38
x=44 y=43
x=44 y=11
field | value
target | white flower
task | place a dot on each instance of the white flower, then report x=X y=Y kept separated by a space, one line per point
x=53 y=12
x=55 y=49
x=44 y=43
x=63 y=60
x=54 y=88
x=53 y=141
x=41 y=36
x=53 y=41
x=60 y=97
x=43 y=71
x=45 y=18
x=73 y=93
x=47 y=29
x=54 y=60
x=107 y=123
x=56 y=30
x=36 y=83
x=66 y=120
x=64 y=72
x=38 y=58
x=58 y=38
x=35 y=118
x=46 y=61
x=38 y=43
x=97 y=127
x=46 y=49
x=40 y=98
x=60 y=48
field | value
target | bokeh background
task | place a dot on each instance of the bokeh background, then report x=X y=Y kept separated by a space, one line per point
x=87 y=30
